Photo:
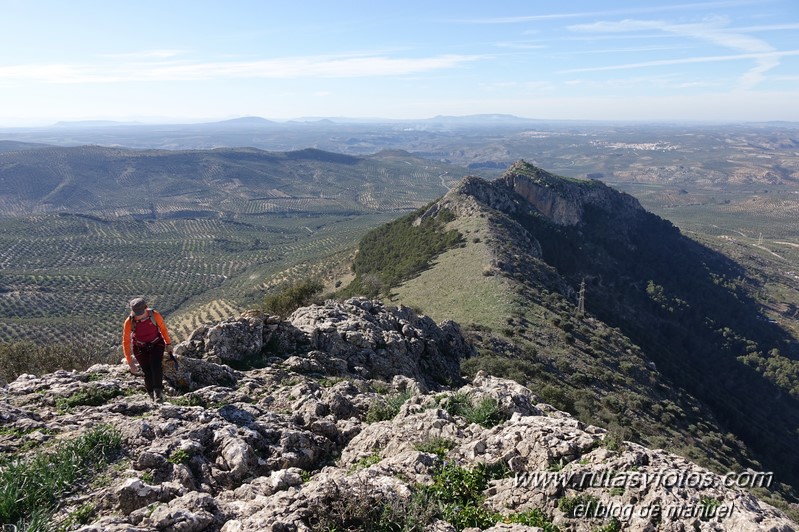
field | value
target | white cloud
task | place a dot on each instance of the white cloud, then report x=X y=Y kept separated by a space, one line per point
x=279 y=68
x=522 y=85
x=713 y=30
x=520 y=45
x=765 y=57
x=147 y=54
x=645 y=82
x=626 y=11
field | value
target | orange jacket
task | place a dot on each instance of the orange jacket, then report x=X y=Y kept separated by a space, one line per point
x=127 y=332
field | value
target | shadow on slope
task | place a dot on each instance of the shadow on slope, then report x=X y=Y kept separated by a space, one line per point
x=687 y=307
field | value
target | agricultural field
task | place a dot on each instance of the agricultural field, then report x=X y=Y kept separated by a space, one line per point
x=68 y=278
x=202 y=235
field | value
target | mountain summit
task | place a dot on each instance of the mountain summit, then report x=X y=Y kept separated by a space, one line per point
x=562 y=200
x=573 y=289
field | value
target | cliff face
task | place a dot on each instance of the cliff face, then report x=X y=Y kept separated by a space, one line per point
x=561 y=200
x=338 y=430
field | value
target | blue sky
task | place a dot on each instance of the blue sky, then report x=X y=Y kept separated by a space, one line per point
x=174 y=60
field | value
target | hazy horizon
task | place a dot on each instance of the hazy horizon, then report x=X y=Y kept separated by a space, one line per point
x=181 y=62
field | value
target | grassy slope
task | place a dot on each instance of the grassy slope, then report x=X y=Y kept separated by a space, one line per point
x=455 y=288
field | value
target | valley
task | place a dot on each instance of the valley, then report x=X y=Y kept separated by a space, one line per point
x=208 y=233
x=204 y=234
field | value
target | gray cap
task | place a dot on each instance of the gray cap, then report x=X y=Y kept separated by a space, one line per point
x=138 y=305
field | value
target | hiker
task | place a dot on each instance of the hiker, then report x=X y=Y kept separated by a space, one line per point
x=145 y=334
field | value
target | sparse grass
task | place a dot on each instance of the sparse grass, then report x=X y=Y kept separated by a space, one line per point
x=189 y=399
x=385 y=408
x=484 y=411
x=456 y=288
x=366 y=461
x=31 y=488
x=438 y=446
x=93 y=396
x=79 y=516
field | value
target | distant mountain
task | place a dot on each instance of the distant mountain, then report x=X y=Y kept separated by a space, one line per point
x=93 y=123
x=156 y=183
x=484 y=119
x=671 y=349
x=246 y=121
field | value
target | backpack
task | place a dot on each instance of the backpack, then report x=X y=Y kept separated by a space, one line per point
x=134 y=322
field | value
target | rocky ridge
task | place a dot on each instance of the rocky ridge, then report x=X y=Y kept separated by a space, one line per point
x=357 y=410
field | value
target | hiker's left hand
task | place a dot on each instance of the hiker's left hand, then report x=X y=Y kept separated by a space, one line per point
x=169 y=349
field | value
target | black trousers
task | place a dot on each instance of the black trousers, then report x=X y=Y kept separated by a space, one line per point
x=150 y=357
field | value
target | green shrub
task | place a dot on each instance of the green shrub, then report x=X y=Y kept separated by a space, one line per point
x=458 y=485
x=399 y=250
x=709 y=506
x=470 y=515
x=459 y=493
x=614 y=525
x=31 y=488
x=456 y=495
x=17 y=358
x=373 y=511
x=534 y=517
x=179 y=456
x=292 y=297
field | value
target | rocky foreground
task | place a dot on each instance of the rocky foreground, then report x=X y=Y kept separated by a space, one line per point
x=356 y=419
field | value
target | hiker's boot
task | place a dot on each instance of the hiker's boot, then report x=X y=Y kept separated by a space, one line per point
x=158 y=395
x=150 y=395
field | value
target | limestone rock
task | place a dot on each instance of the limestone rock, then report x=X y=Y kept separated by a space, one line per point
x=231 y=340
x=377 y=342
x=187 y=374
x=287 y=447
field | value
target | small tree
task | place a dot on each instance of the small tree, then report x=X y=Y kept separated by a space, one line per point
x=292 y=297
